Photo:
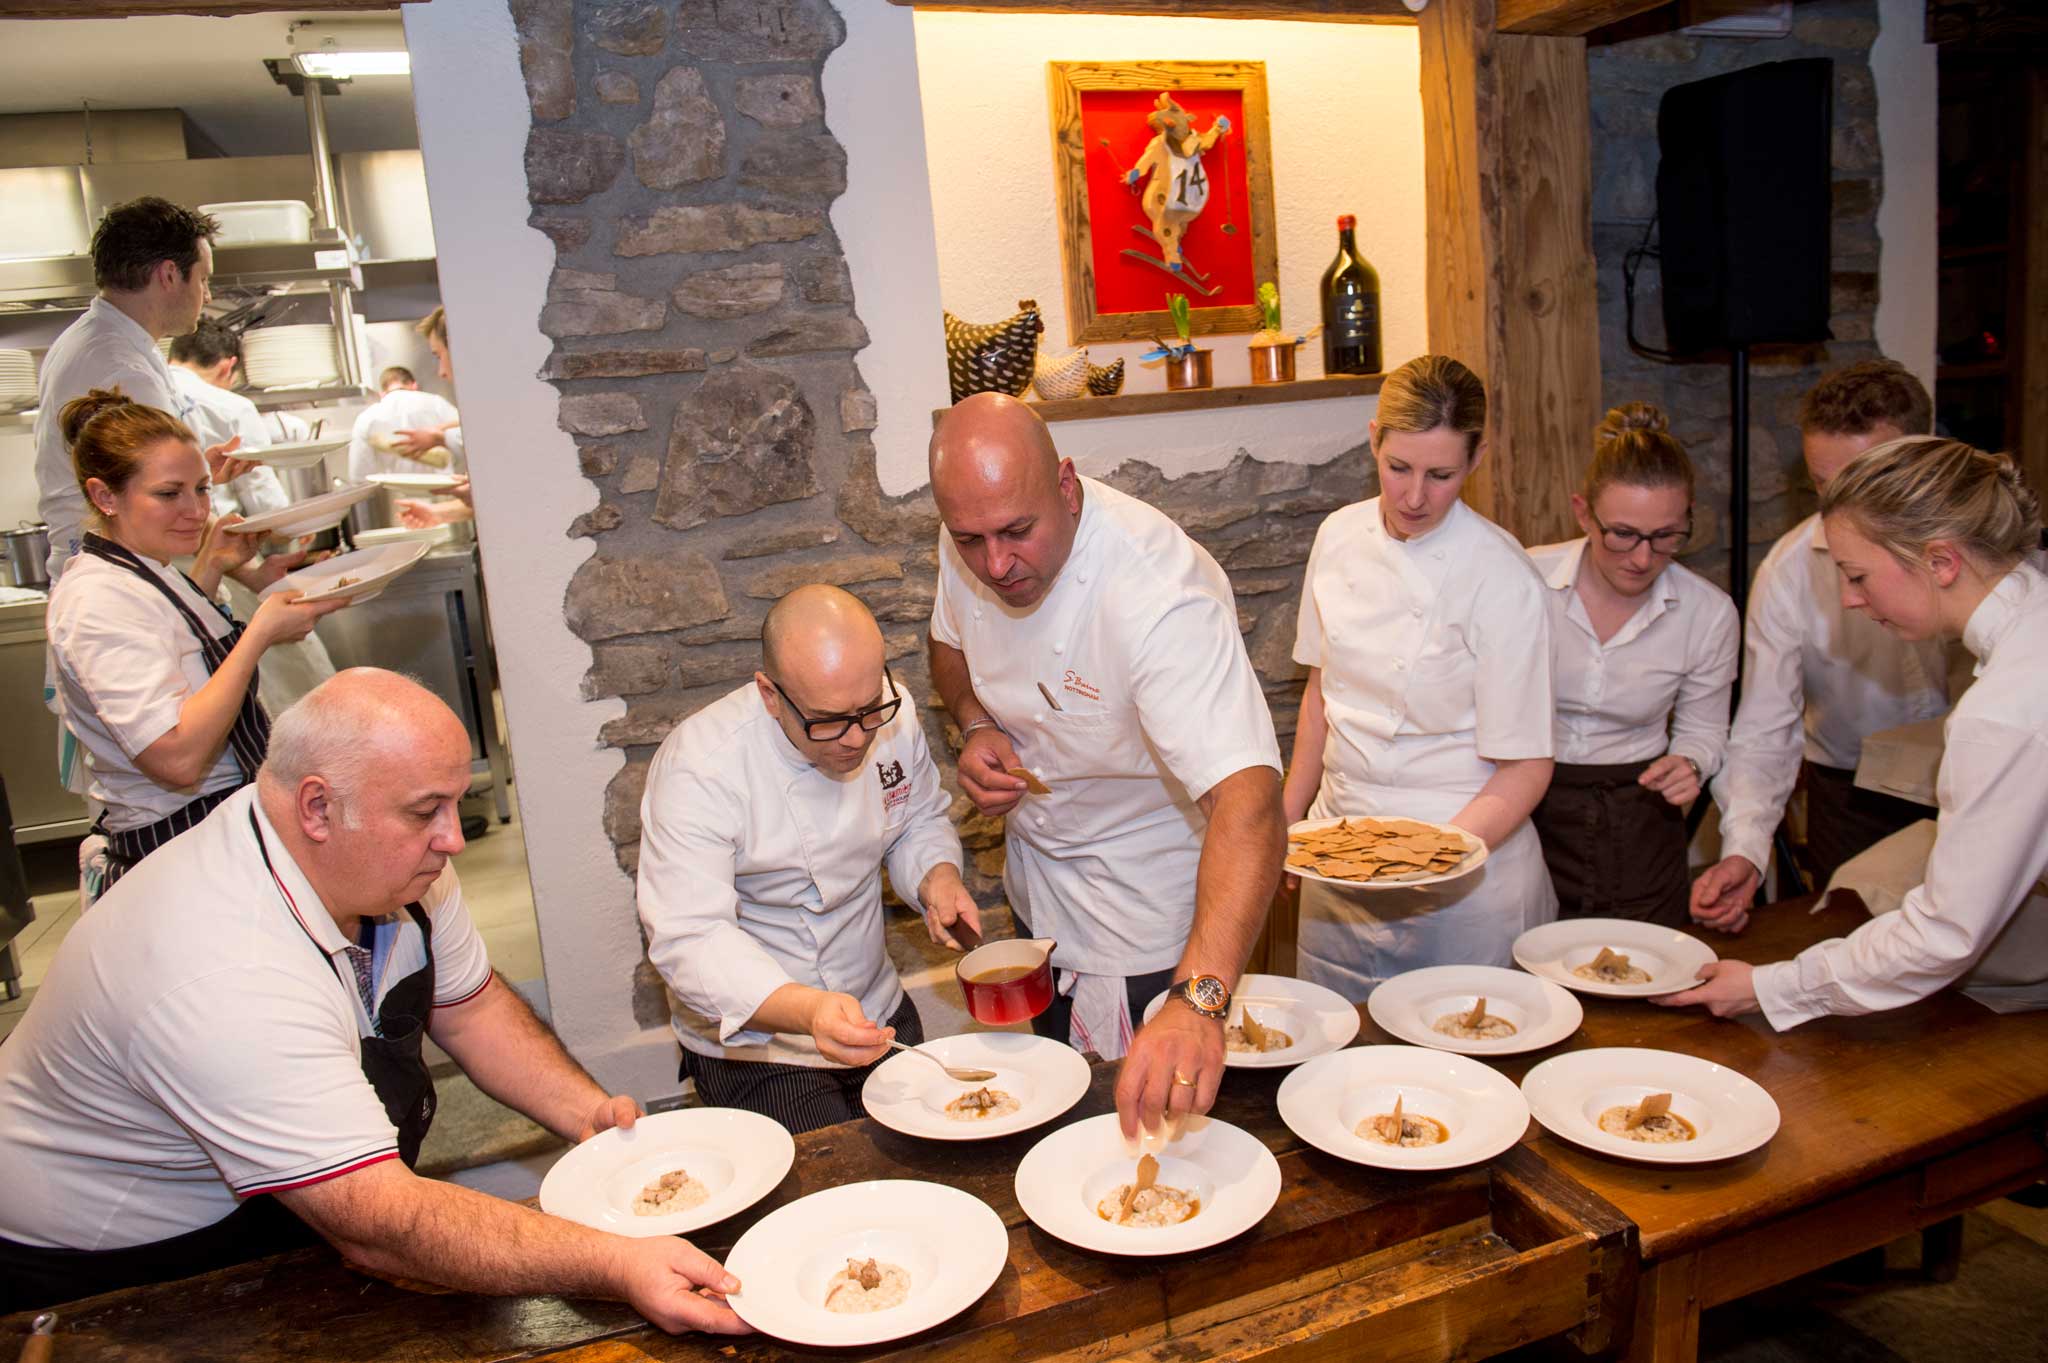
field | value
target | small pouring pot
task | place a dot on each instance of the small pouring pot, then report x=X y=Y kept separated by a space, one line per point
x=1193 y=369
x=1272 y=363
x=1000 y=1002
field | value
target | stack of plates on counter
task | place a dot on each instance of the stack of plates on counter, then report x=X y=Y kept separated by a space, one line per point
x=17 y=379
x=291 y=356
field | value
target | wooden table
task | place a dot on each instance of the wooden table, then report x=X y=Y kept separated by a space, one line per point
x=1891 y=1123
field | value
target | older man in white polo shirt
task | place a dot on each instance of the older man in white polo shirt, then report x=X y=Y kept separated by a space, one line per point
x=768 y=817
x=1081 y=635
x=226 y=1055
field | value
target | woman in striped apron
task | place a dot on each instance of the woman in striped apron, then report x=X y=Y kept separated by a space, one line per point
x=156 y=679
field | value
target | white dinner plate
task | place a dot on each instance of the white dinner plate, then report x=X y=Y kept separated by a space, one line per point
x=1320 y=1020
x=370 y=571
x=1063 y=1178
x=416 y=482
x=309 y=517
x=1731 y=1113
x=1475 y=855
x=1409 y=1005
x=398 y=534
x=1324 y=1101
x=739 y=1156
x=297 y=454
x=1554 y=950
x=910 y=1095
x=952 y=1245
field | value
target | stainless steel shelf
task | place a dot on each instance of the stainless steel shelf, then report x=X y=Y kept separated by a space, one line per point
x=266 y=400
x=64 y=283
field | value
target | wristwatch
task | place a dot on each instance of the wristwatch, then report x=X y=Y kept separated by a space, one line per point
x=1206 y=994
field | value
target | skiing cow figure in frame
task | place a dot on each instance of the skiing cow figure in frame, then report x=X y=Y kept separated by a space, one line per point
x=1179 y=186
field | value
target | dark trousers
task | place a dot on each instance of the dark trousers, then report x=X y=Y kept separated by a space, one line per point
x=1614 y=849
x=801 y=1097
x=1843 y=819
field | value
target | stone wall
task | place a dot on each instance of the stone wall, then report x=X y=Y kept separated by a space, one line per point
x=705 y=335
x=1628 y=75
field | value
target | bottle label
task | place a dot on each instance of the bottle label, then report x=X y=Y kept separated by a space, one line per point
x=1354 y=320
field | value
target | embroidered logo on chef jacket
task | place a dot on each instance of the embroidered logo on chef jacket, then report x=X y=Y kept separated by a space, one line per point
x=1073 y=682
x=895 y=786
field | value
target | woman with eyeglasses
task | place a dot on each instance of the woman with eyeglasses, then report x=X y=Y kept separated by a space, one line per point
x=1645 y=664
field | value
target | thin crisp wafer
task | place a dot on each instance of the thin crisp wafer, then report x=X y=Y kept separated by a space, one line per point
x=1031 y=782
x=1379 y=850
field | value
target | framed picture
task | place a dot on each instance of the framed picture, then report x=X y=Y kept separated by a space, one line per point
x=1164 y=172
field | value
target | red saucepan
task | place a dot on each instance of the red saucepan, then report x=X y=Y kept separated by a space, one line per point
x=1009 y=981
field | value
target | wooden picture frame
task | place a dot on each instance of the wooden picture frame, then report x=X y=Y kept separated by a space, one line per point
x=1095 y=231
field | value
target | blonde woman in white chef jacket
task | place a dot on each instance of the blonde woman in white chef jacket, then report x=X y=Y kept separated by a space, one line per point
x=1935 y=540
x=768 y=819
x=1427 y=639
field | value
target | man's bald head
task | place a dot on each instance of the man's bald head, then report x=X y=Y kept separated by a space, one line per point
x=821 y=653
x=1011 y=504
x=355 y=724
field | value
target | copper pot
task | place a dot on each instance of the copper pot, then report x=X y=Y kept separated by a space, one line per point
x=1192 y=369
x=1273 y=363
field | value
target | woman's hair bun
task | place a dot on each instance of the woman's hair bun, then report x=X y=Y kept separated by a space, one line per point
x=80 y=411
x=1635 y=416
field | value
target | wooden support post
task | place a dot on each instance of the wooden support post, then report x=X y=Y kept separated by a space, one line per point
x=2030 y=442
x=1508 y=187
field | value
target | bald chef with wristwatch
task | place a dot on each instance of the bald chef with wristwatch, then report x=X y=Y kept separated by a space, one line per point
x=1080 y=635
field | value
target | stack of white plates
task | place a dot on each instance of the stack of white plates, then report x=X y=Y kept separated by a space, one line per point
x=291 y=356
x=17 y=378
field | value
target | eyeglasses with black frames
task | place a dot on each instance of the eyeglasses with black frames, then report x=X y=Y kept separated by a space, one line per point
x=1622 y=539
x=826 y=728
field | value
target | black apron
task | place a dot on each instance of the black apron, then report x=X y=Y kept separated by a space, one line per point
x=1842 y=818
x=1614 y=848
x=248 y=739
x=32 y=1277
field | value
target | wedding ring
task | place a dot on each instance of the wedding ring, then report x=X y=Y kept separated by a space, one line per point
x=1179 y=1078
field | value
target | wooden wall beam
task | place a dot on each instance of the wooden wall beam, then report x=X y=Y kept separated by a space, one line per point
x=2030 y=441
x=1318 y=11
x=1569 y=18
x=125 y=9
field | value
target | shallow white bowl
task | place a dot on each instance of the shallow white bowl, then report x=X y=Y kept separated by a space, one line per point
x=1408 y=1006
x=1324 y=1101
x=910 y=1095
x=1732 y=1113
x=1673 y=958
x=739 y=1156
x=309 y=517
x=1320 y=1020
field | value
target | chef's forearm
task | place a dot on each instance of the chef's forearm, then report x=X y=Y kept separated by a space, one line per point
x=515 y=1058
x=183 y=756
x=955 y=685
x=789 y=1010
x=1509 y=796
x=1305 y=768
x=1238 y=872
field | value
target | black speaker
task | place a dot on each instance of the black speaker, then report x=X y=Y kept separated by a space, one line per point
x=1743 y=201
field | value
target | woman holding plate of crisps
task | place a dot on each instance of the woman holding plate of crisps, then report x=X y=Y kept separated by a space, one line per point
x=1427 y=640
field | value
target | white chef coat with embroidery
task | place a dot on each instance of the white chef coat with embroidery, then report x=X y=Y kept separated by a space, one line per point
x=1981 y=914
x=104 y=348
x=126 y=663
x=218 y=416
x=758 y=869
x=1137 y=639
x=1809 y=659
x=198 y=1041
x=1660 y=685
x=1435 y=654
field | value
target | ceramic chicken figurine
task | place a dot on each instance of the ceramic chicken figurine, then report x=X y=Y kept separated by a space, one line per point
x=1061 y=376
x=993 y=357
x=1106 y=380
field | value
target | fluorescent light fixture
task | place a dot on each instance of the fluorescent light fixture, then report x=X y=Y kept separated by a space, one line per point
x=338 y=49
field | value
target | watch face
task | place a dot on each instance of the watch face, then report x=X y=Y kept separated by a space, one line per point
x=1210 y=992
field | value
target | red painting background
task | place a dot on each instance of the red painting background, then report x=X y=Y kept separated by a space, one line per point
x=1126 y=285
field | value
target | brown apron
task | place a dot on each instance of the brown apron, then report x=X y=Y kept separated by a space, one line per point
x=1843 y=819
x=1614 y=849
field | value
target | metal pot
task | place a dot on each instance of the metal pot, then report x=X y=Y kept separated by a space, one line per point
x=1273 y=363
x=1189 y=370
x=27 y=552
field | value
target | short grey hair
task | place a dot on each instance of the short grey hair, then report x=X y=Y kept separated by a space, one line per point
x=325 y=733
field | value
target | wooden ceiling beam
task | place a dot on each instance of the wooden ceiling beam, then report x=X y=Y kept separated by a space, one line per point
x=217 y=9
x=1569 y=18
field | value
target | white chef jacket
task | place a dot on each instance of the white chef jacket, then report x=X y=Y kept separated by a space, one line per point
x=104 y=348
x=1137 y=638
x=1807 y=655
x=1436 y=663
x=126 y=663
x=401 y=409
x=1981 y=914
x=1660 y=685
x=758 y=869
x=218 y=416
x=192 y=1046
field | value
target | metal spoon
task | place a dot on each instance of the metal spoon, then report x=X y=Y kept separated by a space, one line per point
x=964 y=1076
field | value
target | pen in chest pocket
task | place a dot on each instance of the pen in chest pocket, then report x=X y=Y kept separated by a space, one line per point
x=1048 y=696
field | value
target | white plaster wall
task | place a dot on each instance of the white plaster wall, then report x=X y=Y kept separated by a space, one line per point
x=1909 y=270
x=1346 y=127
x=884 y=222
x=470 y=101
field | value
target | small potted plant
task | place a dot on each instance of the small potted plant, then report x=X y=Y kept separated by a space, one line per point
x=1272 y=350
x=1186 y=365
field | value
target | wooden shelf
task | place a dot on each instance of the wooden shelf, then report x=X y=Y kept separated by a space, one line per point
x=1203 y=399
x=1986 y=369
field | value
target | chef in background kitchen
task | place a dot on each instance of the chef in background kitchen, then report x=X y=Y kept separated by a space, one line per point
x=203 y=364
x=151 y=260
x=404 y=431
x=419 y=513
x=768 y=819
x=1081 y=635
x=157 y=681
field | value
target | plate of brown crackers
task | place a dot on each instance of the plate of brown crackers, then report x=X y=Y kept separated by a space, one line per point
x=1375 y=853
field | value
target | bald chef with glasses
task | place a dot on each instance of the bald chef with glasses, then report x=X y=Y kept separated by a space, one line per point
x=768 y=818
